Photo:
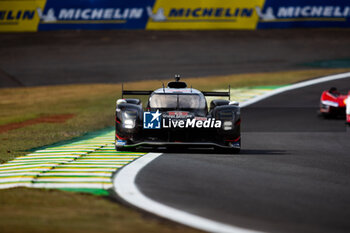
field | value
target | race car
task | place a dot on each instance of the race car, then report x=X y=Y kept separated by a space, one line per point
x=177 y=116
x=347 y=103
x=332 y=103
x=335 y=104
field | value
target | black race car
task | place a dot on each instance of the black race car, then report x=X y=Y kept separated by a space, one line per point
x=177 y=116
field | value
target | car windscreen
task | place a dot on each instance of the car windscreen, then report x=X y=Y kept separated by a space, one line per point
x=177 y=101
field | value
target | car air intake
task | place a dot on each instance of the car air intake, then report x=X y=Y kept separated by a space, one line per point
x=177 y=85
x=225 y=115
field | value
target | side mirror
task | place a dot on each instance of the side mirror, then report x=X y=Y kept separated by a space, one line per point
x=218 y=102
x=121 y=101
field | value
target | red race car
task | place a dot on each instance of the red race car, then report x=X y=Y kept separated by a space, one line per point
x=347 y=102
x=335 y=104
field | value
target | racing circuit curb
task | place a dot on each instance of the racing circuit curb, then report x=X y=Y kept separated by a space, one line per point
x=126 y=189
x=84 y=164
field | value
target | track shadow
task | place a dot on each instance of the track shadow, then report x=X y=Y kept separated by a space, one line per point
x=212 y=151
x=177 y=150
x=264 y=152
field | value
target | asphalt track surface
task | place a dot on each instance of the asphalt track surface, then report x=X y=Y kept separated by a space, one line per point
x=293 y=173
x=66 y=57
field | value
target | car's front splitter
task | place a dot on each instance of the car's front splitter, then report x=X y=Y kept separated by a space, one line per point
x=184 y=144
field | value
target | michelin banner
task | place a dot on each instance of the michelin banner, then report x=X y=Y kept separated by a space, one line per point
x=204 y=14
x=34 y=15
x=304 y=14
x=20 y=15
x=40 y=15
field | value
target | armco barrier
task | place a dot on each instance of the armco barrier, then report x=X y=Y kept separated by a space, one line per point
x=33 y=15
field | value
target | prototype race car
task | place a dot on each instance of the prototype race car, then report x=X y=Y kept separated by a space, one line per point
x=178 y=116
x=335 y=104
x=347 y=102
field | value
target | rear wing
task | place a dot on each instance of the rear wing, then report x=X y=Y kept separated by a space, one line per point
x=205 y=93
x=216 y=93
x=219 y=93
x=127 y=92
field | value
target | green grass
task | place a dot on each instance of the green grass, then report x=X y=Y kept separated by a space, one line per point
x=34 y=210
x=31 y=210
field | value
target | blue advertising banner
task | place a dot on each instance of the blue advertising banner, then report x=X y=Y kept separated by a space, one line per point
x=304 y=14
x=94 y=14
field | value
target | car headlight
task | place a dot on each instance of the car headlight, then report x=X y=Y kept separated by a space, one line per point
x=129 y=123
x=129 y=119
x=227 y=125
x=129 y=115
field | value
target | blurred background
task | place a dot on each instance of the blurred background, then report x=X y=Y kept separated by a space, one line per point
x=50 y=42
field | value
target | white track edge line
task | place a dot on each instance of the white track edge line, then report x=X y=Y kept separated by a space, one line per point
x=125 y=186
x=295 y=86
